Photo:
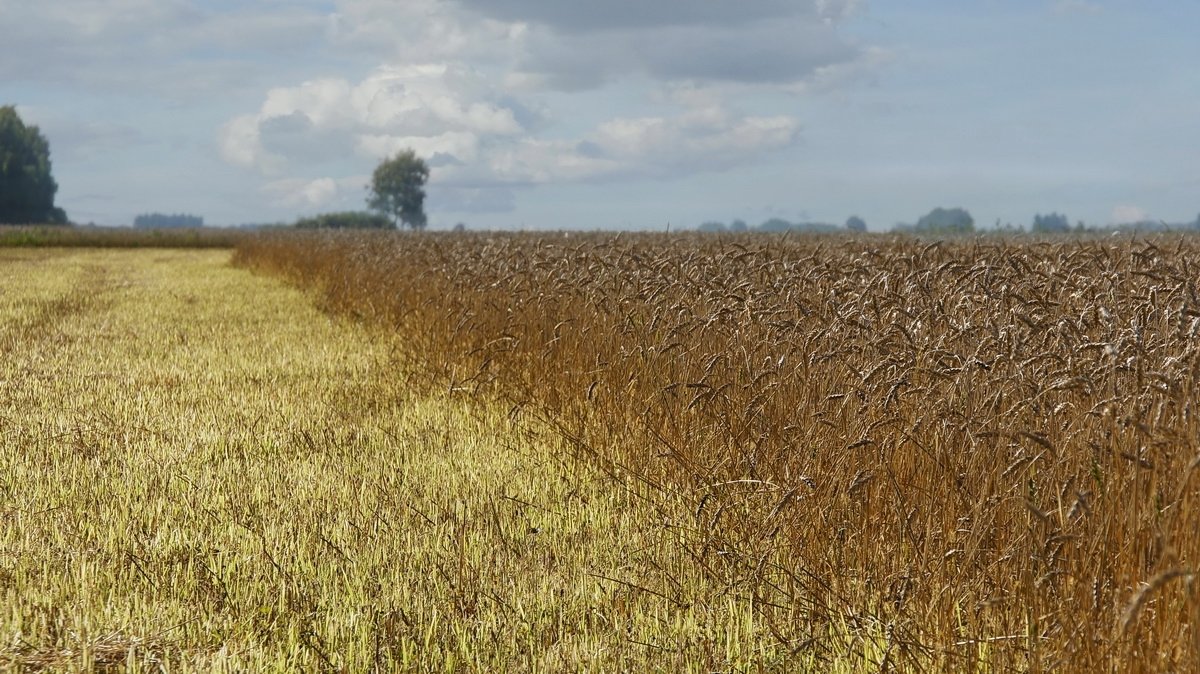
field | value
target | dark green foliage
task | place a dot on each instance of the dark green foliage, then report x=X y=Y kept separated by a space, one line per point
x=856 y=224
x=398 y=189
x=346 y=220
x=27 y=187
x=775 y=225
x=1054 y=223
x=946 y=221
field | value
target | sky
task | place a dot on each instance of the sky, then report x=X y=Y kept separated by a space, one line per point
x=642 y=114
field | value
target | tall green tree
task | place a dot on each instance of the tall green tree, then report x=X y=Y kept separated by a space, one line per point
x=398 y=189
x=27 y=187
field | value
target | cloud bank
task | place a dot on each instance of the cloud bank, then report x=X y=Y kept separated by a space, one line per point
x=465 y=84
x=475 y=86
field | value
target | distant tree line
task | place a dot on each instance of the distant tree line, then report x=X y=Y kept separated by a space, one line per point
x=347 y=220
x=161 y=221
x=1057 y=223
x=1053 y=223
x=943 y=221
x=779 y=226
x=959 y=221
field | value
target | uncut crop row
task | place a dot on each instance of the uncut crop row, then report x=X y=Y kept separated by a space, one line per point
x=975 y=453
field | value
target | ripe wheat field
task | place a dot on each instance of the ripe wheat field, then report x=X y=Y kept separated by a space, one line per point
x=371 y=452
x=975 y=455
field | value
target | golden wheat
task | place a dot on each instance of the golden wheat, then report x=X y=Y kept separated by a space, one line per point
x=978 y=449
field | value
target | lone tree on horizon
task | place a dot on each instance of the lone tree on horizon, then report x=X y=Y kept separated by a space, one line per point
x=27 y=187
x=398 y=189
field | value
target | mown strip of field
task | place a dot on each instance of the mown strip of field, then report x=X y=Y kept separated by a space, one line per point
x=200 y=471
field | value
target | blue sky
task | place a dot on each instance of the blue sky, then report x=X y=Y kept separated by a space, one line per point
x=627 y=113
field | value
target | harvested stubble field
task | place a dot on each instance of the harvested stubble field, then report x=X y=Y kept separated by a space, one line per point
x=199 y=471
x=872 y=454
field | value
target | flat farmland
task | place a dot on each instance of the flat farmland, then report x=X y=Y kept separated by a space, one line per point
x=357 y=452
x=967 y=455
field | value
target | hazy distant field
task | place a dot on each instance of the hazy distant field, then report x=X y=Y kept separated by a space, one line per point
x=588 y=453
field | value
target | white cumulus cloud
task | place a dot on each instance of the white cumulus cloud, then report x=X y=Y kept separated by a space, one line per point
x=440 y=110
x=697 y=141
x=469 y=83
x=473 y=140
x=316 y=194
